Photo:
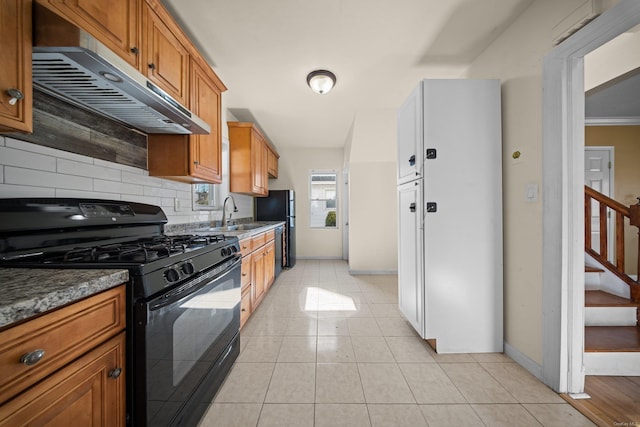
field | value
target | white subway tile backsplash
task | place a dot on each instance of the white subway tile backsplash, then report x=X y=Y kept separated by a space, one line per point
x=35 y=178
x=25 y=159
x=116 y=187
x=184 y=194
x=159 y=192
x=33 y=148
x=175 y=185
x=106 y=164
x=142 y=199
x=141 y=179
x=29 y=170
x=71 y=167
x=87 y=194
x=25 y=191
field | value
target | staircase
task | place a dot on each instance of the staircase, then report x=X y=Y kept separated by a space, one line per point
x=612 y=297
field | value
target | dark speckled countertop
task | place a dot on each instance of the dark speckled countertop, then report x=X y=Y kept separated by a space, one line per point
x=26 y=292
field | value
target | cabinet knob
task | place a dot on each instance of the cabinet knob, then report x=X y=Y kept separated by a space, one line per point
x=33 y=357
x=134 y=50
x=115 y=373
x=244 y=274
x=152 y=66
x=195 y=162
x=15 y=94
x=243 y=309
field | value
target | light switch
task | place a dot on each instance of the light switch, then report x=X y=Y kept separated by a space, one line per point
x=176 y=204
x=531 y=193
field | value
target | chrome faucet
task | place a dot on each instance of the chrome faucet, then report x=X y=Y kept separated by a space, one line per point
x=224 y=205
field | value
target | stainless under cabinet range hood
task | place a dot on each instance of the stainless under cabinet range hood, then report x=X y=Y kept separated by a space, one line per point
x=91 y=76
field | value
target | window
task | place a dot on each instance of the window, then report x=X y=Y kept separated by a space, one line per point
x=323 y=189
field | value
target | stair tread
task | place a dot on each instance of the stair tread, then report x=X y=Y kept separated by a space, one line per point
x=612 y=338
x=598 y=298
x=590 y=269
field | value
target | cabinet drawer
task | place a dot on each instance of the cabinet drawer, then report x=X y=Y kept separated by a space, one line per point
x=270 y=235
x=245 y=306
x=63 y=334
x=245 y=272
x=245 y=246
x=258 y=240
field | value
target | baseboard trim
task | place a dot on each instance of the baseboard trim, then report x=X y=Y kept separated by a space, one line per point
x=320 y=258
x=373 y=272
x=523 y=360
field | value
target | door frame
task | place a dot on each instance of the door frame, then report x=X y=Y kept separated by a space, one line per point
x=563 y=194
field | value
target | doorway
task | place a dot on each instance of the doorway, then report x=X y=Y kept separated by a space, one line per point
x=563 y=184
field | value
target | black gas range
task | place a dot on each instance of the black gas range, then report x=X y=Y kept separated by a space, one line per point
x=183 y=308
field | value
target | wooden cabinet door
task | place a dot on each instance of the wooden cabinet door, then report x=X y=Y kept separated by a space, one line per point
x=206 y=150
x=257 y=277
x=167 y=57
x=257 y=151
x=114 y=23
x=15 y=65
x=270 y=263
x=88 y=392
x=272 y=164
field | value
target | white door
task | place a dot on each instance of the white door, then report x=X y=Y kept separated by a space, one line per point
x=598 y=174
x=410 y=263
x=345 y=216
x=410 y=137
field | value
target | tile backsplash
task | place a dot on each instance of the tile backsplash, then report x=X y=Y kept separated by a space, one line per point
x=29 y=170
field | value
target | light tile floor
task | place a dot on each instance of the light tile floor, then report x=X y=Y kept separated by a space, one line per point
x=325 y=348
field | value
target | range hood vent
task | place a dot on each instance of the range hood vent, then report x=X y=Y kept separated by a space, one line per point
x=93 y=77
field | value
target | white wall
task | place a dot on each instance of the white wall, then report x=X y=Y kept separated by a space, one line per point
x=617 y=57
x=516 y=58
x=293 y=173
x=373 y=245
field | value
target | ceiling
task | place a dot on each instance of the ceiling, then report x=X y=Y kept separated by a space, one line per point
x=379 y=50
x=616 y=101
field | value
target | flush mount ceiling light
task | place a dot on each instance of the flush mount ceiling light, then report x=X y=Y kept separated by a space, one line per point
x=321 y=81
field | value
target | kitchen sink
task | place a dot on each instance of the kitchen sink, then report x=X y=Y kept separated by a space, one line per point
x=235 y=227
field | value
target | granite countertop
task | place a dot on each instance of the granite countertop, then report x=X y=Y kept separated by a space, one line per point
x=27 y=292
x=240 y=234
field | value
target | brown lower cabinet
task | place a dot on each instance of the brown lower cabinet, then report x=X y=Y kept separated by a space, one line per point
x=80 y=378
x=258 y=270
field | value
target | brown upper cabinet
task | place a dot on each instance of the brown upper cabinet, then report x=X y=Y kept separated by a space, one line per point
x=166 y=53
x=115 y=23
x=16 y=100
x=272 y=162
x=193 y=158
x=144 y=33
x=248 y=159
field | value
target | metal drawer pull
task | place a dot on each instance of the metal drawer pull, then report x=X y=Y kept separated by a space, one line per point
x=31 y=358
x=115 y=373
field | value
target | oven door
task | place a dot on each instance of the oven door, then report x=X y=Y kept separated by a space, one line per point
x=184 y=342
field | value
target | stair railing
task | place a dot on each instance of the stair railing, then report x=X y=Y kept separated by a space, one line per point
x=602 y=255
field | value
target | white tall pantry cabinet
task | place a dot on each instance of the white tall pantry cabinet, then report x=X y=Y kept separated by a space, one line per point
x=450 y=214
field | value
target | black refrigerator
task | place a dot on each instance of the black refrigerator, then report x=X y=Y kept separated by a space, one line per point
x=280 y=205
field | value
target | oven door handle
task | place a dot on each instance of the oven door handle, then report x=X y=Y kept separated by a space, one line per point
x=193 y=286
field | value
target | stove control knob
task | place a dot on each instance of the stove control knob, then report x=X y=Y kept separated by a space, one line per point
x=224 y=252
x=171 y=275
x=187 y=268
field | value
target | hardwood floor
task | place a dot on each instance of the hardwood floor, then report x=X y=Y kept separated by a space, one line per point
x=615 y=401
